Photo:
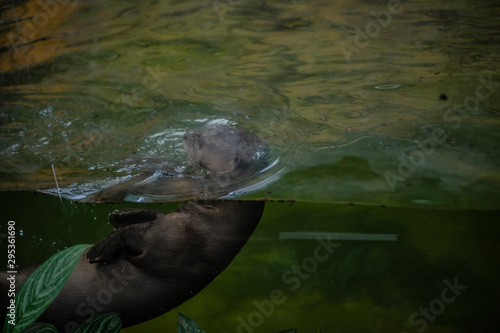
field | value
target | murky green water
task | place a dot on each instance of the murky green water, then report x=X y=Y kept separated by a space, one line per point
x=338 y=286
x=362 y=102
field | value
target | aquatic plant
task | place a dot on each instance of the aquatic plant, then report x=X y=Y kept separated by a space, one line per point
x=43 y=286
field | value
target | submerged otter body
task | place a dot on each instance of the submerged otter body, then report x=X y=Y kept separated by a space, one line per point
x=154 y=262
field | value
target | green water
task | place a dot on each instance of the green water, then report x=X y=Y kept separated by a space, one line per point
x=346 y=286
x=381 y=118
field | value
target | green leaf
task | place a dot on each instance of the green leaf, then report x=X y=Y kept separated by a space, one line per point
x=43 y=286
x=106 y=323
x=187 y=325
x=41 y=328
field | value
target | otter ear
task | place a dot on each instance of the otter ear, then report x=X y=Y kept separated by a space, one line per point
x=126 y=217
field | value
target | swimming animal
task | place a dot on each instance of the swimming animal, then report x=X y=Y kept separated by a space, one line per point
x=153 y=261
x=222 y=159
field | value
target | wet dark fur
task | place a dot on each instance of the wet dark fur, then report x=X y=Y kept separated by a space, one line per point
x=154 y=262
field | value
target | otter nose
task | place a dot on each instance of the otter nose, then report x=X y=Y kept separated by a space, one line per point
x=189 y=135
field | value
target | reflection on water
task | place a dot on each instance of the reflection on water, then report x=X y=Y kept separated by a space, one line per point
x=103 y=89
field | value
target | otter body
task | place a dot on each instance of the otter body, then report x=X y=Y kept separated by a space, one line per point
x=154 y=262
x=150 y=265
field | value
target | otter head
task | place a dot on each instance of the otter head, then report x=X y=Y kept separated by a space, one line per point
x=220 y=148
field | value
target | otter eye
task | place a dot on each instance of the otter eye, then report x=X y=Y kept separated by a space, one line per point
x=185 y=137
x=236 y=160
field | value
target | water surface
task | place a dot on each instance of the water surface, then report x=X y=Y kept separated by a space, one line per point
x=388 y=104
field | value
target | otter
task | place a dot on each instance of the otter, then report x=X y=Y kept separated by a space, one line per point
x=230 y=156
x=221 y=149
x=154 y=262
